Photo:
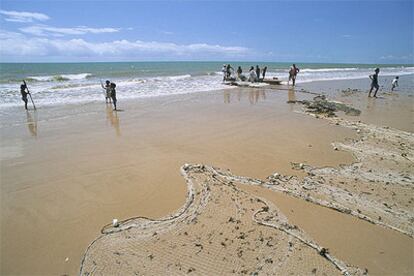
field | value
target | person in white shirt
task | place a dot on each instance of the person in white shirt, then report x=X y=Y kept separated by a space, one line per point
x=394 y=83
x=252 y=75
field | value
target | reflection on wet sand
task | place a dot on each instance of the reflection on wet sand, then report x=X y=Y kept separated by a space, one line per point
x=32 y=123
x=227 y=97
x=254 y=96
x=291 y=96
x=371 y=104
x=113 y=119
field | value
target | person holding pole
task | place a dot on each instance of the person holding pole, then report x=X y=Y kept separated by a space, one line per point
x=24 y=94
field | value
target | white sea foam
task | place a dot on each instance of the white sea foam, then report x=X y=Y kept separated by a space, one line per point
x=84 y=87
x=62 y=77
x=74 y=91
x=326 y=74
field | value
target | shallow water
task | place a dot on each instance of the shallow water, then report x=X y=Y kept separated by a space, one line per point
x=77 y=83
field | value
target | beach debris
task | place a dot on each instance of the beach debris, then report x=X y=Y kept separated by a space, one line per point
x=321 y=106
x=324 y=252
x=349 y=91
x=67 y=259
x=115 y=222
x=297 y=166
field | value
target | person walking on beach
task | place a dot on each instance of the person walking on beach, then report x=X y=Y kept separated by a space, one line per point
x=24 y=93
x=374 y=83
x=293 y=73
x=394 y=83
x=264 y=71
x=113 y=94
x=107 y=88
x=258 y=72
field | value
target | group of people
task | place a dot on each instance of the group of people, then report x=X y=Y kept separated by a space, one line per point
x=375 y=84
x=255 y=74
x=110 y=92
x=109 y=87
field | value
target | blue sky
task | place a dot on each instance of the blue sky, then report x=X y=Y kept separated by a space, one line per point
x=301 y=31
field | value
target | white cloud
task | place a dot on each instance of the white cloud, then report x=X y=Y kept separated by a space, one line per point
x=346 y=36
x=43 y=30
x=407 y=58
x=18 y=45
x=24 y=17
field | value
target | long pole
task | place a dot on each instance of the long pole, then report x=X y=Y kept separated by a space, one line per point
x=30 y=95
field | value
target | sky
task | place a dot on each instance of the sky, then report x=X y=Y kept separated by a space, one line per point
x=280 y=31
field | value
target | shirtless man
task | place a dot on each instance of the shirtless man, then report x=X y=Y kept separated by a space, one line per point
x=374 y=83
x=113 y=94
x=292 y=74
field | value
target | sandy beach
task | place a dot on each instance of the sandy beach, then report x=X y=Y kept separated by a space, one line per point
x=268 y=188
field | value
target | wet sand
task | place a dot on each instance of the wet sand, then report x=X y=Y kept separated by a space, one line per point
x=391 y=108
x=67 y=172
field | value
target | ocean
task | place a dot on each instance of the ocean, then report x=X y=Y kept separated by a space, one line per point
x=66 y=83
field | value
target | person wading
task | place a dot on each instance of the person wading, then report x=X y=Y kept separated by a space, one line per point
x=293 y=73
x=24 y=94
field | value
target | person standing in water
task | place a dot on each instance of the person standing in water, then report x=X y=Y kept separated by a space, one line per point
x=113 y=94
x=394 y=83
x=239 y=71
x=252 y=75
x=229 y=70
x=374 y=83
x=239 y=74
x=224 y=70
x=293 y=73
x=107 y=89
x=264 y=71
x=24 y=94
x=258 y=72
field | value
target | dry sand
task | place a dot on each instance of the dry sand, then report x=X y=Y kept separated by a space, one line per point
x=83 y=170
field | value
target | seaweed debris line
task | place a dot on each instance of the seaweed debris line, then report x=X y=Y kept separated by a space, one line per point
x=320 y=105
x=220 y=230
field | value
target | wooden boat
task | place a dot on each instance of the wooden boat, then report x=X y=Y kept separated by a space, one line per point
x=273 y=81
